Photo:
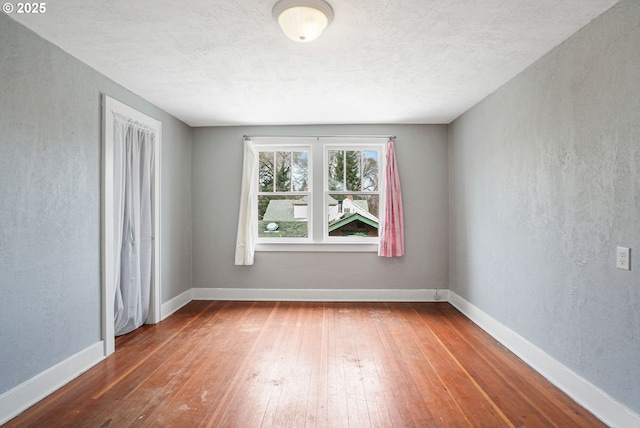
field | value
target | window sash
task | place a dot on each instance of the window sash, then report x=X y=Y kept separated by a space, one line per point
x=379 y=177
x=275 y=150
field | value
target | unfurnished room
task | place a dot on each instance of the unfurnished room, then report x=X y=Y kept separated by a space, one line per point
x=320 y=213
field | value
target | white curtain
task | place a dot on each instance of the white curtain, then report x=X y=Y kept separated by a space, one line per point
x=133 y=215
x=246 y=237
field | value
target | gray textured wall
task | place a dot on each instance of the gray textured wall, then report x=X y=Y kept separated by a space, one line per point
x=50 y=137
x=217 y=168
x=544 y=185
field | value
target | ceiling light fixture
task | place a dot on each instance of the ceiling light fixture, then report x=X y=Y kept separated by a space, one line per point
x=303 y=20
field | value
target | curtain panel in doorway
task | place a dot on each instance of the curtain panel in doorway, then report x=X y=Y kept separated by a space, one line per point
x=133 y=214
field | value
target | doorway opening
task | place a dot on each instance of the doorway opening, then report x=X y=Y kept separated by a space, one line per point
x=117 y=231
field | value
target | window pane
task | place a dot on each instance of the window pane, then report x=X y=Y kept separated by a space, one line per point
x=336 y=169
x=370 y=171
x=353 y=215
x=353 y=170
x=283 y=171
x=265 y=172
x=300 y=171
x=283 y=217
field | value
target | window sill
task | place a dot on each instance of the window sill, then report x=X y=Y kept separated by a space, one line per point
x=313 y=247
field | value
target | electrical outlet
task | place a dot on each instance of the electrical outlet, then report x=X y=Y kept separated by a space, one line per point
x=622 y=258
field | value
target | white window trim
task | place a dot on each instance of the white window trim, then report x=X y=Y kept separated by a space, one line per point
x=318 y=231
x=318 y=247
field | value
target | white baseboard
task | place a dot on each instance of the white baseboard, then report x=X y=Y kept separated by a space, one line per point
x=321 y=295
x=603 y=406
x=175 y=304
x=25 y=395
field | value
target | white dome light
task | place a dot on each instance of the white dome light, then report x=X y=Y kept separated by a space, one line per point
x=303 y=20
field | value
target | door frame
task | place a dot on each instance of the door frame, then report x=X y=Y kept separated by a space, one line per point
x=109 y=107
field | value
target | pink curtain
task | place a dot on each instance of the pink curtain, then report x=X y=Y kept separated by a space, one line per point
x=392 y=236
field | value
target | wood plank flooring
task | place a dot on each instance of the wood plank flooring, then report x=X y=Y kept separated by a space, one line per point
x=296 y=364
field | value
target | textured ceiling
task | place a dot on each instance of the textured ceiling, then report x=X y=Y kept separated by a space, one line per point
x=217 y=62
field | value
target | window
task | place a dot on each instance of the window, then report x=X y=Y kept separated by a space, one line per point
x=352 y=198
x=283 y=193
x=341 y=206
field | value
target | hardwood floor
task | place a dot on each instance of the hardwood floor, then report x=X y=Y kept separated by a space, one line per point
x=293 y=364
